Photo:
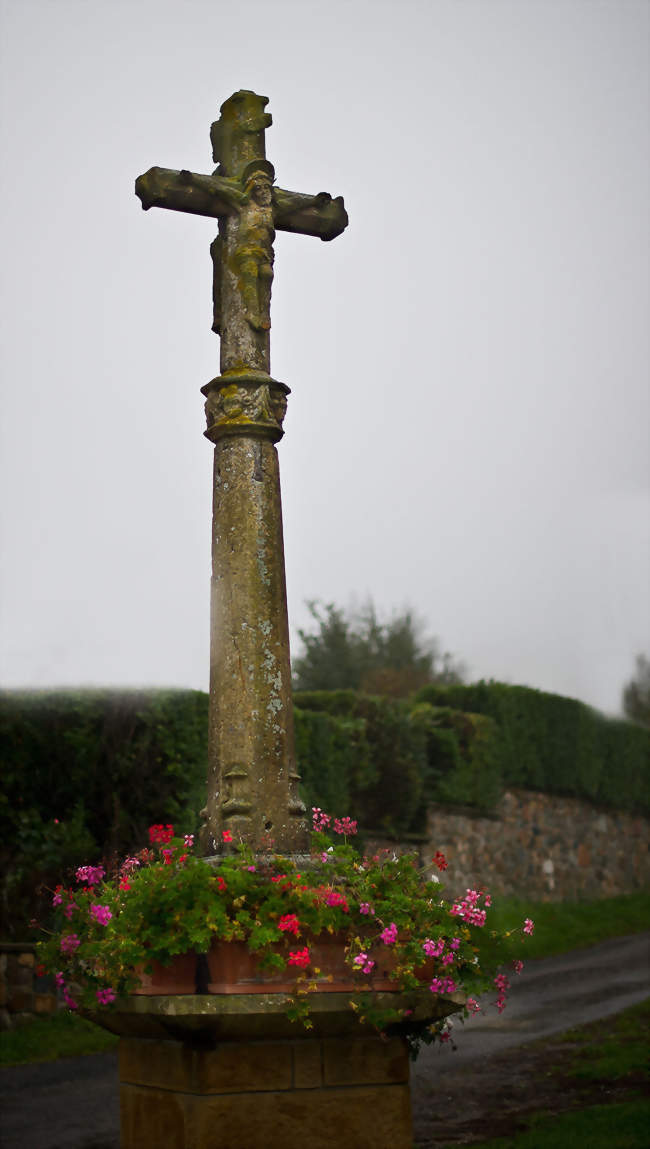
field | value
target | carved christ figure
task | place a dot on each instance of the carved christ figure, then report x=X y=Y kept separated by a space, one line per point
x=252 y=256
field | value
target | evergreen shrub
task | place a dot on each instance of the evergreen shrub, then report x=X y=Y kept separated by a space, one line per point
x=84 y=773
x=463 y=756
x=558 y=745
x=389 y=769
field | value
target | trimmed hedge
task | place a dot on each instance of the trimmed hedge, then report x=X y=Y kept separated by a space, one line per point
x=385 y=785
x=558 y=745
x=463 y=759
x=84 y=773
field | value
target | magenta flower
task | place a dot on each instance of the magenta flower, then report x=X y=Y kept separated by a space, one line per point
x=333 y=898
x=467 y=909
x=90 y=875
x=365 y=963
x=69 y=1000
x=102 y=914
x=433 y=949
x=69 y=943
x=59 y=979
x=529 y=926
x=442 y=985
x=105 y=996
x=344 y=826
x=320 y=820
x=365 y=908
x=389 y=935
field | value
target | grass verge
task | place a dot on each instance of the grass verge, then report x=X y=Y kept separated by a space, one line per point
x=48 y=1038
x=573 y=1074
x=619 y=1126
x=564 y=926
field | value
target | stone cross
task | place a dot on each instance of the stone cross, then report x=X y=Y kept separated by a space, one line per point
x=252 y=776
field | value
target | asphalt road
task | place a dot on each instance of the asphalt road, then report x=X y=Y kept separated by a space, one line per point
x=73 y=1104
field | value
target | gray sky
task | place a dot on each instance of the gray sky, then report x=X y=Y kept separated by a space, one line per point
x=468 y=426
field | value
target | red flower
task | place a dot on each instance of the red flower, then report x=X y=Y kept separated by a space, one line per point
x=226 y=835
x=439 y=860
x=160 y=834
x=299 y=957
x=289 y=924
x=222 y=884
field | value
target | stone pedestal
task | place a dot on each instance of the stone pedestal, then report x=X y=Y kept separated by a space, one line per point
x=321 y=1092
x=230 y=1071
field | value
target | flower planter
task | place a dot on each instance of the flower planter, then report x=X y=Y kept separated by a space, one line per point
x=234 y=969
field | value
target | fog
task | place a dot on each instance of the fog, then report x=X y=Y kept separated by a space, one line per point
x=468 y=426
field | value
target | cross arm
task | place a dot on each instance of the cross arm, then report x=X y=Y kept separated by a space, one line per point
x=318 y=215
x=215 y=196
x=187 y=191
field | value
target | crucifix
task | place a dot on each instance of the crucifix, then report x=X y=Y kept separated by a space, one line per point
x=252 y=776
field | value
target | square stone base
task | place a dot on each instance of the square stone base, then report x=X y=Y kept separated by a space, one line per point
x=319 y=1091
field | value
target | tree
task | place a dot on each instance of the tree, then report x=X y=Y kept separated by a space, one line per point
x=636 y=693
x=358 y=651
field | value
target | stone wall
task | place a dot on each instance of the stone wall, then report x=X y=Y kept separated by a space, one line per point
x=22 y=991
x=541 y=847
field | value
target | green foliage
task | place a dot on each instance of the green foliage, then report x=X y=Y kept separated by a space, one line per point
x=636 y=693
x=462 y=753
x=386 y=780
x=349 y=651
x=384 y=915
x=558 y=745
x=334 y=758
x=84 y=774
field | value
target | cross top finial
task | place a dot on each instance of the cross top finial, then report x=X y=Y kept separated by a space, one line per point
x=238 y=135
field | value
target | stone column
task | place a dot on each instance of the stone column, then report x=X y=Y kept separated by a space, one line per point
x=252 y=781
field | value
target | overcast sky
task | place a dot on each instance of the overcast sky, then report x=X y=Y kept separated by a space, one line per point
x=468 y=427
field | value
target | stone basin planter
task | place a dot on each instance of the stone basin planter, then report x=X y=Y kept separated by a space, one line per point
x=231 y=968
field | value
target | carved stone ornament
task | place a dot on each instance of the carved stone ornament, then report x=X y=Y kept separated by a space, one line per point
x=245 y=406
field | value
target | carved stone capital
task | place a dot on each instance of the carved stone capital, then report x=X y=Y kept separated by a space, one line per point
x=245 y=404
